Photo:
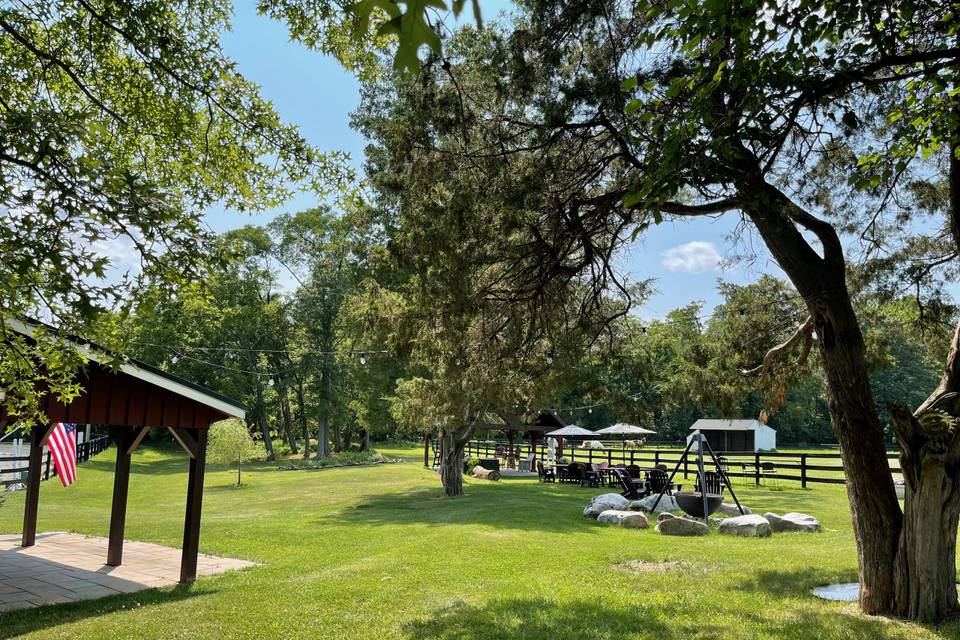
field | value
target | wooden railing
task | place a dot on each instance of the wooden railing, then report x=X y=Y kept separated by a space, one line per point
x=85 y=451
x=805 y=468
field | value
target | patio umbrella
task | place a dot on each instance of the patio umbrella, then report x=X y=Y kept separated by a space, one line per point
x=623 y=429
x=571 y=431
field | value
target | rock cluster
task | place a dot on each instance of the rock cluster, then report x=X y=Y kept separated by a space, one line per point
x=605 y=502
x=625 y=519
x=671 y=525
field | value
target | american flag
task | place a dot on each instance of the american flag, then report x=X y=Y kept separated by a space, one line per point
x=63 y=448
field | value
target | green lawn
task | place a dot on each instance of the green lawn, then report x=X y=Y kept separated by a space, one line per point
x=372 y=552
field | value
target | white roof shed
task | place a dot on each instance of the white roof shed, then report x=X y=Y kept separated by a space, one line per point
x=736 y=435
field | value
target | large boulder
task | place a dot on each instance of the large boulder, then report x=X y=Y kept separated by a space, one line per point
x=792 y=522
x=671 y=525
x=667 y=503
x=727 y=509
x=605 y=502
x=485 y=474
x=752 y=525
x=626 y=519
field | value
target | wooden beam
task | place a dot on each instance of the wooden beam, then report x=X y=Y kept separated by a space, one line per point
x=38 y=436
x=191 y=524
x=121 y=480
x=135 y=441
x=186 y=439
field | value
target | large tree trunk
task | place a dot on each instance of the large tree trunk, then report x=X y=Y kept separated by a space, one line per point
x=873 y=501
x=323 y=435
x=821 y=280
x=926 y=570
x=338 y=439
x=364 y=440
x=452 y=443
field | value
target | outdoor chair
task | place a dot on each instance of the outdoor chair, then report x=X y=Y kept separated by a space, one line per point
x=630 y=489
x=711 y=482
x=545 y=474
x=563 y=473
x=660 y=482
x=527 y=465
x=578 y=472
x=633 y=470
x=571 y=472
x=769 y=470
x=593 y=475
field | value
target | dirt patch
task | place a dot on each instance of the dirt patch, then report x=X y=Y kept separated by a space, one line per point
x=645 y=566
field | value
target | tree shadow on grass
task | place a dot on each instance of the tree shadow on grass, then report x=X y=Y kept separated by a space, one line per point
x=591 y=618
x=23 y=621
x=528 y=618
x=499 y=506
x=796 y=583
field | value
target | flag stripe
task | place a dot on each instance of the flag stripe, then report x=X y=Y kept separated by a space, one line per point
x=63 y=450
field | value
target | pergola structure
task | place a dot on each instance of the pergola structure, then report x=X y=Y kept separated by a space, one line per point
x=546 y=420
x=131 y=400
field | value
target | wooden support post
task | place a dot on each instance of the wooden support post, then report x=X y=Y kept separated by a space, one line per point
x=803 y=470
x=38 y=436
x=426 y=450
x=756 y=468
x=121 y=481
x=191 y=523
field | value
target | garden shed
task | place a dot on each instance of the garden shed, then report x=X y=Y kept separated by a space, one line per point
x=736 y=435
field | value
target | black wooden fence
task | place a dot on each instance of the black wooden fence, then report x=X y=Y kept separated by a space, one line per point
x=805 y=468
x=85 y=451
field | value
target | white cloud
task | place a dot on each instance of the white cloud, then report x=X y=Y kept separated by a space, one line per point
x=692 y=257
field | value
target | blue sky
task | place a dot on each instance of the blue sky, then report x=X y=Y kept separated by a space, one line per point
x=316 y=94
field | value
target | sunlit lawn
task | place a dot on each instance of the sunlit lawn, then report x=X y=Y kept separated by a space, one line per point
x=372 y=552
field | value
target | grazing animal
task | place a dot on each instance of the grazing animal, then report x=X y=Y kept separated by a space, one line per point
x=591 y=444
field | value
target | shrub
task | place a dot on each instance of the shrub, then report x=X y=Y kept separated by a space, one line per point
x=468 y=465
x=342 y=459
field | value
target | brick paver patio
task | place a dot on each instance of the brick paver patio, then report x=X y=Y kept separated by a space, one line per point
x=65 y=567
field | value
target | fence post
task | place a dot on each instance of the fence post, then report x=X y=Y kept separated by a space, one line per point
x=47 y=473
x=609 y=458
x=803 y=470
x=590 y=455
x=756 y=468
x=656 y=457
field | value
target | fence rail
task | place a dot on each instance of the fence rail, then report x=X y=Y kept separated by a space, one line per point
x=85 y=451
x=805 y=468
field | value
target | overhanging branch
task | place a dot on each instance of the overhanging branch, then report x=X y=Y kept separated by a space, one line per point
x=803 y=334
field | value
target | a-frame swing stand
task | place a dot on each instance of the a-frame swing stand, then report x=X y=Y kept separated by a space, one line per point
x=702 y=440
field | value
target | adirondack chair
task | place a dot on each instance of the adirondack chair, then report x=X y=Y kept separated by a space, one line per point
x=710 y=483
x=658 y=480
x=545 y=474
x=631 y=491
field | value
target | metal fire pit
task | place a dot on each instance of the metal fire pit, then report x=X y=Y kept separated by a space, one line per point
x=692 y=503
